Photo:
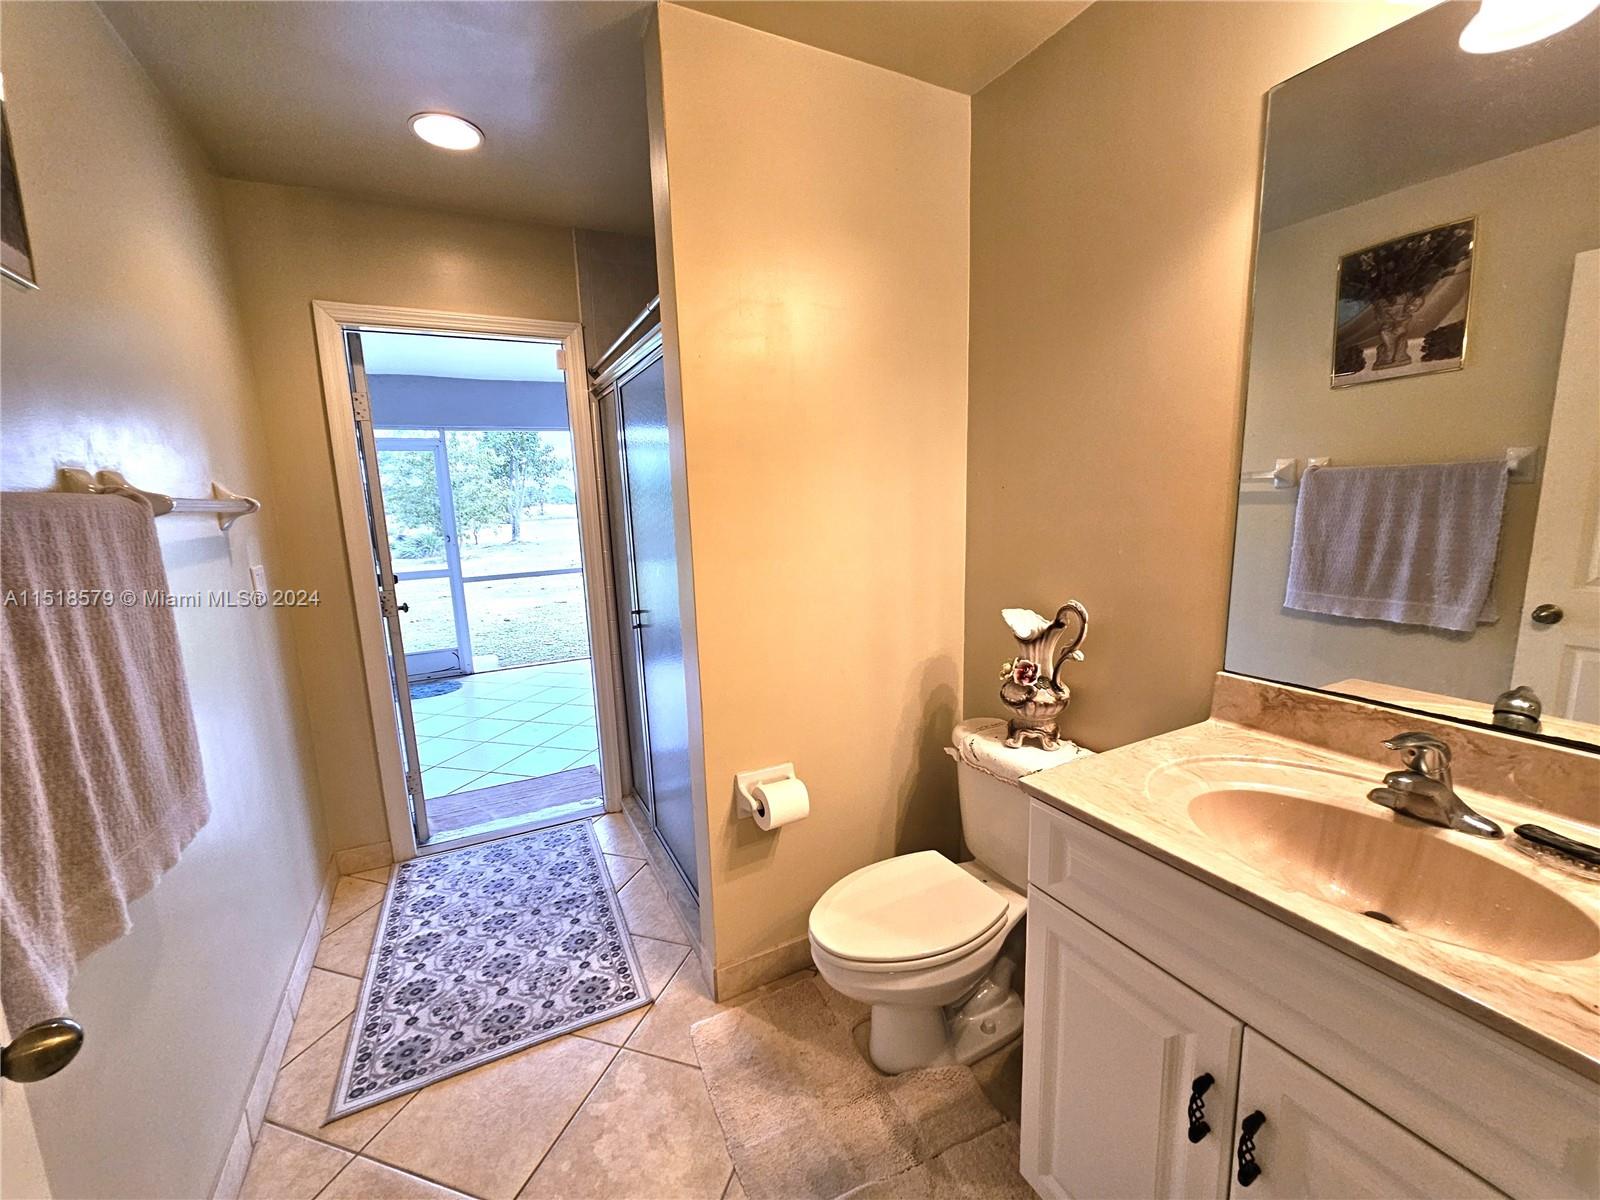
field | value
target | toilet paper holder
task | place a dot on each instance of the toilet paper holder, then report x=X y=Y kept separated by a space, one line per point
x=745 y=783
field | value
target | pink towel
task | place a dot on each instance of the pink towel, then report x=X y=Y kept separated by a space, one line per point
x=101 y=784
x=1414 y=545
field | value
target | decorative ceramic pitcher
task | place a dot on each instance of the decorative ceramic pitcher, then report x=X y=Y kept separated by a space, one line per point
x=1032 y=686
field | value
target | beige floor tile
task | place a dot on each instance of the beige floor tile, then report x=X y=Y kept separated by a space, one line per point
x=377 y=874
x=647 y=1129
x=664 y=1031
x=286 y=1166
x=622 y=868
x=364 y=1179
x=305 y=1089
x=1000 y=1077
x=328 y=999
x=345 y=950
x=659 y=960
x=485 y=1130
x=648 y=911
x=351 y=898
x=616 y=836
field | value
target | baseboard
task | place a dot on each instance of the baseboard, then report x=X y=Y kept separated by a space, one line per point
x=231 y=1178
x=363 y=858
x=736 y=978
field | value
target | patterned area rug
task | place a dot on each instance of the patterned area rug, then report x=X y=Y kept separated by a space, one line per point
x=482 y=952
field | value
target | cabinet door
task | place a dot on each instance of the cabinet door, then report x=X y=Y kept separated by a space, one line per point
x=1319 y=1140
x=1114 y=1049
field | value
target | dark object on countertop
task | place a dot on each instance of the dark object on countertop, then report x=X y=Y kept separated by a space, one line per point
x=1548 y=841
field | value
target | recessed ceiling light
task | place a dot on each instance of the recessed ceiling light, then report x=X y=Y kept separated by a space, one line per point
x=446 y=132
x=1507 y=24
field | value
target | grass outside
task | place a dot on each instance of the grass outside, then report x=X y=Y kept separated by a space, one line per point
x=519 y=621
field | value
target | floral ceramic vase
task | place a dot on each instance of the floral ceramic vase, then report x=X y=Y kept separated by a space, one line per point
x=1031 y=682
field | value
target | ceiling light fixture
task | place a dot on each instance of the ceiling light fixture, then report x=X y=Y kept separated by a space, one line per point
x=1507 y=24
x=453 y=133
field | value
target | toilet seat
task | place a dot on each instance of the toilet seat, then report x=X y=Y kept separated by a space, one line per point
x=905 y=913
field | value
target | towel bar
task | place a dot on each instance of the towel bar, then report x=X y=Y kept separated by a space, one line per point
x=1522 y=466
x=228 y=506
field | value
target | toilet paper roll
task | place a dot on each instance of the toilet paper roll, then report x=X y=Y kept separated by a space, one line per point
x=780 y=802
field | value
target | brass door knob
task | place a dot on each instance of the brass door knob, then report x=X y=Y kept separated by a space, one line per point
x=41 y=1050
x=1547 y=614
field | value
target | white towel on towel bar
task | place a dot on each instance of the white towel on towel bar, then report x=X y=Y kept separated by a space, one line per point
x=1413 y=545
x=101 y=776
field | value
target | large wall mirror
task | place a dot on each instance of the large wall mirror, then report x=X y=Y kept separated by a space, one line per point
x=1419 y=503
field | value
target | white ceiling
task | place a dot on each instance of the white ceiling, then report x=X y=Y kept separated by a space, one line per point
x=442 y=357
x=958 y=44
x=1410 y=105
x=317 y=94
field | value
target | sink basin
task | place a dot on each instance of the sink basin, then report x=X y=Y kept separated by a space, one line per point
x=1418 y=878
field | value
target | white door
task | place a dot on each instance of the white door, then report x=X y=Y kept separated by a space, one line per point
x=1558 y=646
x=1301 y=1135
x=1129 y=1080
x=389 y=604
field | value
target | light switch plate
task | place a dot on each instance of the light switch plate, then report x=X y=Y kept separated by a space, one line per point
x=258 y=578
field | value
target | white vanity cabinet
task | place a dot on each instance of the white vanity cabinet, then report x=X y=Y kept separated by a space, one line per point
x=1319 y=1140
x=1116 y=1050
x=1137 y=1085
x=1142 y=981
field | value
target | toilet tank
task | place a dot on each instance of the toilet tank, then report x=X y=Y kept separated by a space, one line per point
x=994 y=823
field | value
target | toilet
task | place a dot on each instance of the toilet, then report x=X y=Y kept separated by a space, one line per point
x=920 y=938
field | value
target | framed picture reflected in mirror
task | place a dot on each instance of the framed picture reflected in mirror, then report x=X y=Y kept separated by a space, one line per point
x=16 y=251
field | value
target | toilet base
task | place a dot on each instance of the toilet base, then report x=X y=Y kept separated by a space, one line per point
x=903 y=1037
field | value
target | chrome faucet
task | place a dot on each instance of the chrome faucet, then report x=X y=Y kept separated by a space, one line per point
x=1423 y=789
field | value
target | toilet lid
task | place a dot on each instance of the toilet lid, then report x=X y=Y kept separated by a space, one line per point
x=910 y=907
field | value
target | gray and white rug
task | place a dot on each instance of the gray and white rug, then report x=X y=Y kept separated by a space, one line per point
x=482 y=952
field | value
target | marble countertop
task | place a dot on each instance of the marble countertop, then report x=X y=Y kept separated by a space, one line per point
x=1550 y=1006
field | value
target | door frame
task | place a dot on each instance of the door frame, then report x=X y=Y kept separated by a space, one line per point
x=462 y=650
x=330 y=318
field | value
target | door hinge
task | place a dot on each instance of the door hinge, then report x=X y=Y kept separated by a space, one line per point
x=383 y=605
x=414 y=784
x=561 y=359
x=362 y=405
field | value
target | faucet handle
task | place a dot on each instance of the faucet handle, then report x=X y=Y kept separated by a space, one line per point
x=1422 y=752
x=1420 y=741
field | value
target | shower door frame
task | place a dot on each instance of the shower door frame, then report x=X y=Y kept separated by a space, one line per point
x=330 y=320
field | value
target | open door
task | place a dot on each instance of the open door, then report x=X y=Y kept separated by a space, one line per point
x=389 y=604
x=1558 y=645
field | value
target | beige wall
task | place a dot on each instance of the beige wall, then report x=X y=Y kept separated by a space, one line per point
x=616 y=279
x=1114 y=176
x=130 y=356
x=290 y=246
x=1536 y=210
x=818 y=264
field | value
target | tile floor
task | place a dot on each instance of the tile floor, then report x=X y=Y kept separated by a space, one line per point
x=504 y=726
x=612 y=1112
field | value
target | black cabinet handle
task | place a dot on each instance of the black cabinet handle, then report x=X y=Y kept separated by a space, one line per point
x=1198 y=1126
x=1249 y=1170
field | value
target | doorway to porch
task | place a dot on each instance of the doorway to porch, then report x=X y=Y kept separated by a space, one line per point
x=473 y=499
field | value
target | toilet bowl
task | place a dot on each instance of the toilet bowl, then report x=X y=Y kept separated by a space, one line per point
x=926 y=941
x=918 y=937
